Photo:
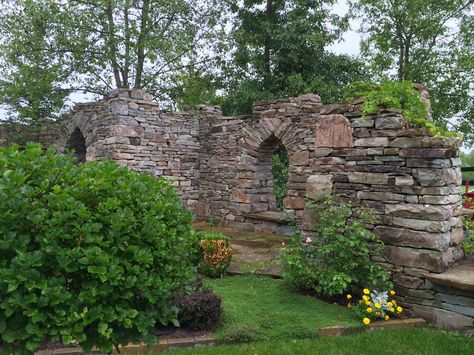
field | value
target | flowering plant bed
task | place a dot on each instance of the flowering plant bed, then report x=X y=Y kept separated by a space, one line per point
x=375 y=305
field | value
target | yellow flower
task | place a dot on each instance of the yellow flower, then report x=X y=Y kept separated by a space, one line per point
x=392 y=309
x=390 y=304
x=366 y=321
x=365 y=298
x=387 y=317
x=394 y=302
x=366 y=291
x=399 y=309
x=349 y=297
x=377 y=305
x=392 y=292
x=367 y=303
x=369 y=310
x=378 y=314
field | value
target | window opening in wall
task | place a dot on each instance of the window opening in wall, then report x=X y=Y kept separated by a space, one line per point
x=280 y=175
x=77 y=143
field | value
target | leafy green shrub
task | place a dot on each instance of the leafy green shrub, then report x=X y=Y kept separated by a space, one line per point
x=91 y=253
x=397 y=95
x=337 y=259
x=200 y=309
x=216 y=254
x=468 y=244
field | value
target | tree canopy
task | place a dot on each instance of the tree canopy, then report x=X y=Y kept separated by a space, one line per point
x=428 y=42
x=280 y=50
x=232 y=52
x=98 y=45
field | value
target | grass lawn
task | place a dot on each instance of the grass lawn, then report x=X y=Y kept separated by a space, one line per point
x=416 y=341
x=258 y=308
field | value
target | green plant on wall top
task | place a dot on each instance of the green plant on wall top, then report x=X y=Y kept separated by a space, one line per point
x=395 y=95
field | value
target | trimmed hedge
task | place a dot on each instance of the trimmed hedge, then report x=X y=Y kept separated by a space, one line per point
x=91 y=253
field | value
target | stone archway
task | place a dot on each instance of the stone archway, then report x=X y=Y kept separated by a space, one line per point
x=77 y=143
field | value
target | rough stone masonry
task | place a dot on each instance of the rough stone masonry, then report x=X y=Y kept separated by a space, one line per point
x=221 y=167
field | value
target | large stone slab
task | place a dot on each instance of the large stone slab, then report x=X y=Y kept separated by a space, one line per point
x=459 y=276
x=333 y=131
x=419 y=211
x=318 y=186
x=437 y=177
x=410 y=238
x=419 y=258
x=368 y=178
x=419 y=224
x=372 y=142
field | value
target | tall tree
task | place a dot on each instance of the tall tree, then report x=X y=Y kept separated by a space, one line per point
x=280 y=50
x=98 y=45
x=424 y=41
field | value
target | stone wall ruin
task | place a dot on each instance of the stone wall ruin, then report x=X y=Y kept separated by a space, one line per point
x=221 y=167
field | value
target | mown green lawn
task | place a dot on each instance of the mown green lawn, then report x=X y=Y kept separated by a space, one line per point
x=259 y=308
x=412 y=341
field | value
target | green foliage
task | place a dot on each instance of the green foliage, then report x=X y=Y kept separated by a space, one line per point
x=280 y=52
x=428 y=42
x=96 y=46
x=216 y=254
x=280 y=175
x=398 y=95
x=259 y=308
x=192 y=88
x=91 y=253
x=467 y=160
x=337 y=259
x=468 y=244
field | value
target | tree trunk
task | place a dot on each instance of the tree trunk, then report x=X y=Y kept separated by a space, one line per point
x=126 y=66
x=266 y=51
x=111 y=44
x=141 y=43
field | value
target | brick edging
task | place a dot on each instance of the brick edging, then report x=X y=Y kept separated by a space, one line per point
x=390 y=324
x=163 y=344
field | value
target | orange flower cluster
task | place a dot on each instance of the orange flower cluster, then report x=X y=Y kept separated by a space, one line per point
x=216 y=256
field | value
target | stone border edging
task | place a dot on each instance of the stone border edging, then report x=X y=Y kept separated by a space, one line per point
x=142 y=348
x=390 y=324
x=195 y=342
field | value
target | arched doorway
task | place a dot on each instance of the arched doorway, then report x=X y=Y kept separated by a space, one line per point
x=77 y=143
x=270 y=175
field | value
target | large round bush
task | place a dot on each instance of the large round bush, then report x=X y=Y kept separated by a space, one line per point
x=90 y=253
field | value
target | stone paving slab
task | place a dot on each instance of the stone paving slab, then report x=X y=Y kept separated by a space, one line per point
x=459 y=276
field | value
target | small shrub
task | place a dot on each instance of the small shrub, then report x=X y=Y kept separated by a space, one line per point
x=216 y=254
x=375 y=305
x=199 y=310
x=337 y=259
x=90 y=253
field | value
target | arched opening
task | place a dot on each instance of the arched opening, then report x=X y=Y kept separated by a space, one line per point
x=77 y=142
x=272 y=173
x=280 y=165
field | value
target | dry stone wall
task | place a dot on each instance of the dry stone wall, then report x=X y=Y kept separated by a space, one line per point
x=221 y=167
